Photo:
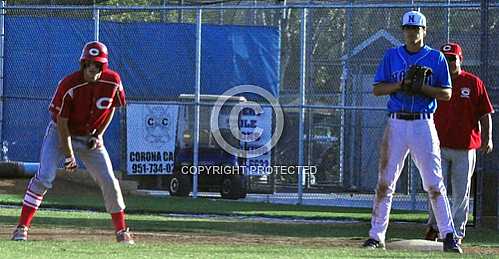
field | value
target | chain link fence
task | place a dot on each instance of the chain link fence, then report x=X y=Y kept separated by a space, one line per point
x=327 y=98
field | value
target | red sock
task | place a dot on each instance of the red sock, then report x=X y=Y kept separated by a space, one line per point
x=27 y=214
x=118 y=220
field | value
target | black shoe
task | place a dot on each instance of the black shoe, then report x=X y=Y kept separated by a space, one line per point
x=373 y=244
x=451 y=244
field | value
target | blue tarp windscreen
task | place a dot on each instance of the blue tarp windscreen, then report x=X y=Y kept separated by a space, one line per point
x=155 y=61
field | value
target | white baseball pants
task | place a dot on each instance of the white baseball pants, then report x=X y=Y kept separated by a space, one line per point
x=420 y=138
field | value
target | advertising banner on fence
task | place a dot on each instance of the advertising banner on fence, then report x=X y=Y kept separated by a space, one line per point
x=151 y=135
x=248 y=124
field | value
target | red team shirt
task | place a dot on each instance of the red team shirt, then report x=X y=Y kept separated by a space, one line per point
x=87 y=105
x=457 y=120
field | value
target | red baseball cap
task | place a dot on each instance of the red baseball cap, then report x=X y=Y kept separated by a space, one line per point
x=452 y=49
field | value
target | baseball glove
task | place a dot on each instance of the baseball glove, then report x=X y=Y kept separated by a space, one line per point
x=414 y=79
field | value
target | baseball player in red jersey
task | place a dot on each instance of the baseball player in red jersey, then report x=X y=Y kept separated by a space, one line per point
x=458 y=124
x=81 y=110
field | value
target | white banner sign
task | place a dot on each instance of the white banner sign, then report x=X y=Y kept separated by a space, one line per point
x=151 y=136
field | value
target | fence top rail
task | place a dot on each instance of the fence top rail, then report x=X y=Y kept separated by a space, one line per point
x=263 y=105
x=266 y=6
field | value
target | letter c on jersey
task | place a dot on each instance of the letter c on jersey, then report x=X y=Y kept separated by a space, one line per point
x=104 y=103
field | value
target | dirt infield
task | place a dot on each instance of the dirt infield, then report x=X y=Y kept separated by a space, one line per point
x=64 y=234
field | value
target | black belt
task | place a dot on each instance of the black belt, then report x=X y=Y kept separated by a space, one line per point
x=410 y=116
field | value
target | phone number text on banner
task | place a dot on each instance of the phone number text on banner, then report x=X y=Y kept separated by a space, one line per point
x=151 y=135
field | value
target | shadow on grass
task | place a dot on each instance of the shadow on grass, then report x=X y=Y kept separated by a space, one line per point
x=155 y=205
x=207 y=227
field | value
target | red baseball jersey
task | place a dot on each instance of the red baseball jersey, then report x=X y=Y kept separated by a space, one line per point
x=87 y=105
x=457 y=120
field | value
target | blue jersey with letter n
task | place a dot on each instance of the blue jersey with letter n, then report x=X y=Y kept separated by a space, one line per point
x=395 y=64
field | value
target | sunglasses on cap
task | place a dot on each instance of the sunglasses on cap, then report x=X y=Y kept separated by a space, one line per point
x=451 y=58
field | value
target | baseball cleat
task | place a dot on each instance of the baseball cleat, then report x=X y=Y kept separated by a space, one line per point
x=20 y=233
x=373 y=244
x=451 y=244
x=124 y=237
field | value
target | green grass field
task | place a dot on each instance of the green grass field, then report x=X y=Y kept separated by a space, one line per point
x=88 y=234
x=143 y=204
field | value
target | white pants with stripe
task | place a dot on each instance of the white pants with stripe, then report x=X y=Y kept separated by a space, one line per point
x=96 y=161
x=420 y=138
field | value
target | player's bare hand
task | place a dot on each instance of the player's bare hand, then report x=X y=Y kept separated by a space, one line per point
x=94 y=142
x=487 y=146
x=70 y=164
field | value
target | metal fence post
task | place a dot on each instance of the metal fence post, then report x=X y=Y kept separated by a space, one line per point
x=344 y=80
x=303 y=73
x=221 y=14
x=2 y=42
x=164 y=14
x=447 y=29
x=180 y=12
x=96 y=23
x=487 y=188
x=197 y=92
x=411 y=173
x=255 y=13
x=484 y=40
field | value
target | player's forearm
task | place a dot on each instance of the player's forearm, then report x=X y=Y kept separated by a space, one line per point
x=64 y=136
x=103 y=127
x=385 y=88
x=486 y=127
x=443 y=94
